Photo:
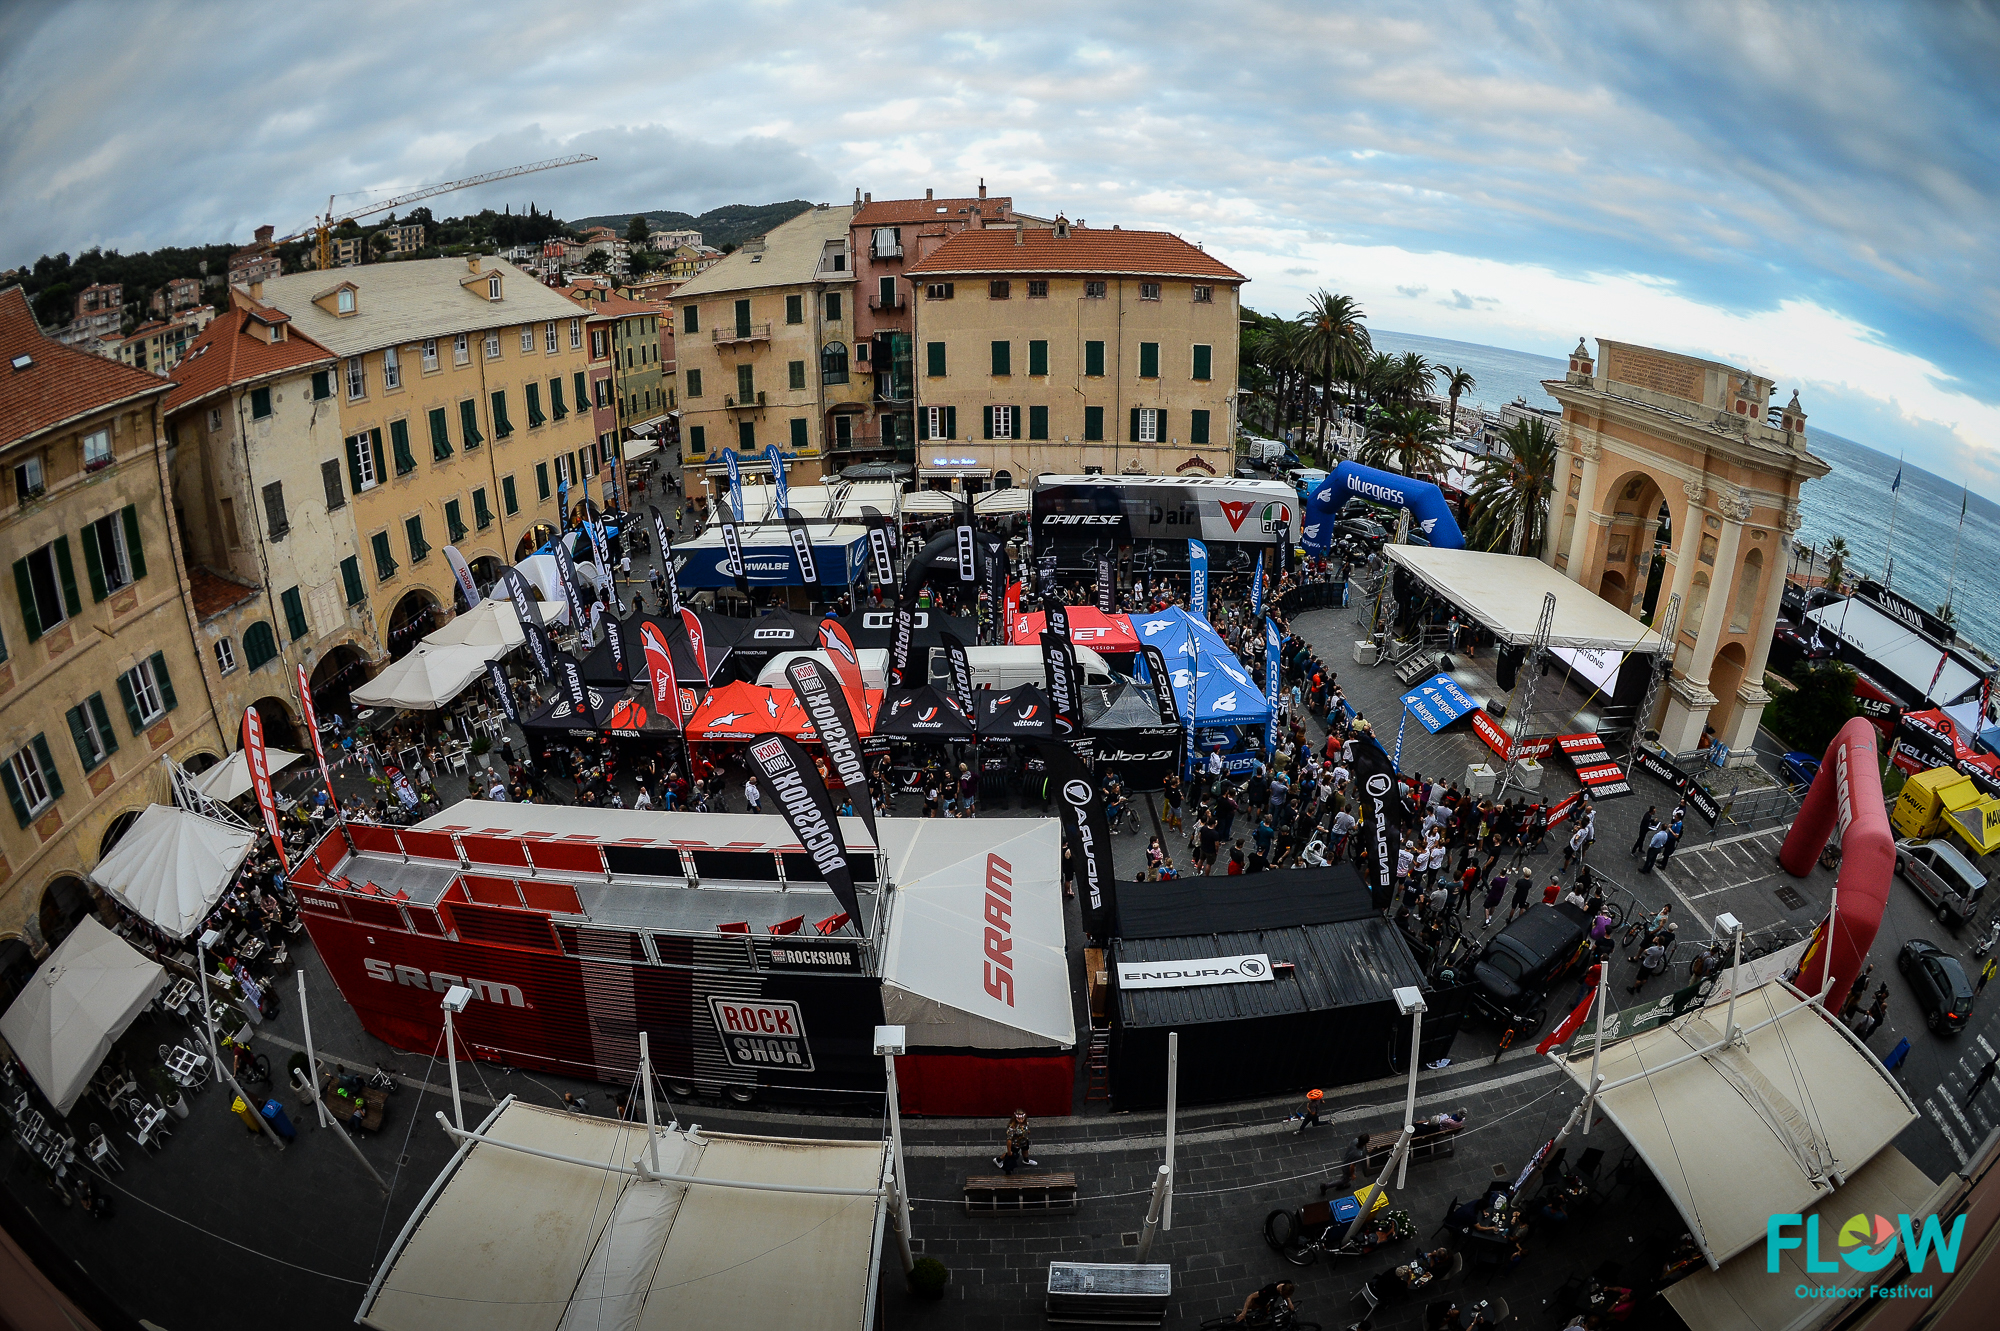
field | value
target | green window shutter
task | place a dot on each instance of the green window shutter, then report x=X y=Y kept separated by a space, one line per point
x=542 y=480
x=1202 y=361
x=533 y=392
x=799 y=440
x=694 y=383
x=951 y=422
x=453 y=522
x=1198 y=428
x=260 y=403
x=1038 y=422
x=385 y=561
x=66 y=573
x=131 y=701
x=260 y=644
x=135 y=549
x=1134 y=436
x=690 y=319
x=1093 y=424
x=1093 y=359
x=746 y=384
x=375 y=447
x=796 y=374
x=295 y=614
x=746 y=436
x=160 y=677
x=986 y=429
x=26 y=587
x=440 y=435
x=795 y=310
x=481 y=514
x=742 y=318
x=557 y=407
x=399 y=444
x=508 y=496
x=582 y=391
x=1149 y=360
x=1038 y=358
x=934 y=359
x=1160 y=427
x=1003 y=358
x=79 y=731
x=96 y=704
x=697 y=439
x=92 y=563
x=354 y=447
x=14 y=793
x=502 y=427
x=350 y=577
x=468 y=423
x=48 y=762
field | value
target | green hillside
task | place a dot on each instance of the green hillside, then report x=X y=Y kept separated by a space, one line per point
x=729 y=225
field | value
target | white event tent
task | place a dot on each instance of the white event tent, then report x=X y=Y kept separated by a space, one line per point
x=81 y=1000
x=1503 y=593
x=424 y=680
x=172 y=866
x=230 y=778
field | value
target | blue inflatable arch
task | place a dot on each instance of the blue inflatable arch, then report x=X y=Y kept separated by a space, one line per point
x=1429 y=512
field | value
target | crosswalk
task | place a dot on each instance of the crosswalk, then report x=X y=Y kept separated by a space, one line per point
x=1963 y=1124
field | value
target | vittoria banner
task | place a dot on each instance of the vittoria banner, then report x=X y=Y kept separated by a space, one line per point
x=808 y=809
x=1698 y=799
x=1059 y=668
x=961 y=672
x=899 y=652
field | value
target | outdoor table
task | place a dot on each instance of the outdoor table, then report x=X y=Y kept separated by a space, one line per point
x=148 y=1121
x=100 y=1151
x=253 y=948
x=186 y=1067
x=55 y=1153
x=176 y=998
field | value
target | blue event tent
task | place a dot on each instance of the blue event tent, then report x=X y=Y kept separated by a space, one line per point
x=1225 y=694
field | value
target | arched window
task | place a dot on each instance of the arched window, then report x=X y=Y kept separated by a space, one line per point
x=1696 y=606
x=1747 y=582
x=833 y=363
x=1003 y=480
x=259 y=644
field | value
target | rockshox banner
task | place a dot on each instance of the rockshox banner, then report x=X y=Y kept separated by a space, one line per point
x=1595 y=768
x=1087 y=833
x=1059 y=666
x=1163 y=685
x=825 y=705
x=1107 y=584
x=1197 y=579
x=463 y=574
x=961 y=673
x=526 y=609
x=899 y=649
x=802 y=546
x=1698 y=799
x=259 y=765
x=498 y=678
x=1381 y=817
x=808 y=809
x=697 y=643
x=311 y=719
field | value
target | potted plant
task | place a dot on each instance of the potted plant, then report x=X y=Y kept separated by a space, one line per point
x=482 y=748
x=168 y=1090
x=928 y=1278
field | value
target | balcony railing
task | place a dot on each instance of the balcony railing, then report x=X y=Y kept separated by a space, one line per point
x=729 y=401
x=892 y=251
x=858 y=443
x=743 y=333
x=894 y=302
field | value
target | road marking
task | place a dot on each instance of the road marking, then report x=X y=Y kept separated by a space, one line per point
x=1987 y=1047
x=1951 y=1101
x=1950 y=1137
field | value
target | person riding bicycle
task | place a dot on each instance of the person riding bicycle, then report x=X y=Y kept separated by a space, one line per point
x=1266 y=1303
x=1114 y=800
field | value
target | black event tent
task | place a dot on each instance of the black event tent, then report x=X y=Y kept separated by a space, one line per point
x=625 y=713
x=1131 y=738
x=1022 y=713
x=877 y=628
x=1330 y=1020
x=719 y=631
x=921 y=713
x=756 y=641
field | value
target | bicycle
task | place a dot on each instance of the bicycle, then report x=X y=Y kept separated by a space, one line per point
x=1300 y=1237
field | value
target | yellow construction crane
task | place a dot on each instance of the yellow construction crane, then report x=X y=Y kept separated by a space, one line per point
x=322 y=229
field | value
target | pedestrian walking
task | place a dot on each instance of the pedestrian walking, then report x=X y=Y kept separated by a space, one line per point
x=1523 y=885
x=1979 y=1082
x=1857 y=993
x=753 y=798
x=1496 y=888
x=1657 y=844
x=1356 y=1157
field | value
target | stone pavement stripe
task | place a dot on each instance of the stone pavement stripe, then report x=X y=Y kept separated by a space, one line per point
x=1930 y=1107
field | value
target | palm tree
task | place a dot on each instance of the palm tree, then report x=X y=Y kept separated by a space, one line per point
x=1274 y=346
x=1836 y=563
x=1511 y=488
x=1407 y=439
x=1413 y=376
x=1458 y=381
x=1334 y=342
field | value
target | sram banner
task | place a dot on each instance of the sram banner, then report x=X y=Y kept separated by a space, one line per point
x=760 y=1034
x=1509 y=748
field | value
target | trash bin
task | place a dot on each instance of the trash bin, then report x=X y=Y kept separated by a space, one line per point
x=246 y=1113
x=274 y=1114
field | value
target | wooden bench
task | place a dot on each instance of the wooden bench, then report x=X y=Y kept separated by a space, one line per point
x=366 y=1113
x=993 y=1194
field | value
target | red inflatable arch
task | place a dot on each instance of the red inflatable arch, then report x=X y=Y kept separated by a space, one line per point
x=1848 y=791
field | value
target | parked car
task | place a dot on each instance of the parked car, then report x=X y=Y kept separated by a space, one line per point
x=1942 y=876
x=1800 y=768
x=1943 y=991
x=1361 y=529
x=1512 y=974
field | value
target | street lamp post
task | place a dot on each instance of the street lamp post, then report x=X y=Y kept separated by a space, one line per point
x=455 y=999
x=1409 y=1003
x=889 y=1042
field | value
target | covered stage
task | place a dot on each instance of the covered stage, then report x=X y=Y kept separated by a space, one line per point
x=1503 y=595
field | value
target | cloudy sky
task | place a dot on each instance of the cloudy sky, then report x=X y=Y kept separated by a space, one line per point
x=1809 y=190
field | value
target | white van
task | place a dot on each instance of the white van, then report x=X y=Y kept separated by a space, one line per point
x=1011 y=667
x=874 y=668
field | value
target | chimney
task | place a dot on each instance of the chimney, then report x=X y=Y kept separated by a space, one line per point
x=857 y=194
x=1019 y=228
x=257 y=291
x=264 y=234
x=927 y=194
x=868 y=198
x=472 y=263
x=982 y=187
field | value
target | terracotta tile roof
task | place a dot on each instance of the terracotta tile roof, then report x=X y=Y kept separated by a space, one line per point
x=214 y=593
x=59 y=383
x=236 y=349
x=1086 y=250
x=910 y=212
x=609 y=305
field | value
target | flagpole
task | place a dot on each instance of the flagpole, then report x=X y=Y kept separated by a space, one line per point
x=1889 y=551
x=1951 y=585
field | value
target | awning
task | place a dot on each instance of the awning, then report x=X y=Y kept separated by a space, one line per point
x=1741 y=1133
x=938 y=979
x=172 y=866
x=1895 y=648
x=425 y=680
x=543 y=573
x=491 y=626
x=1013 y=499
x=64 y=1021
x=640 y=448
x=230 y=778
x=930 y=503
x=1088 y=627
x=1503 y=593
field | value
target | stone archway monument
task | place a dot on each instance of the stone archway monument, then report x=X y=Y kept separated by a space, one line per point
x=1671 y=457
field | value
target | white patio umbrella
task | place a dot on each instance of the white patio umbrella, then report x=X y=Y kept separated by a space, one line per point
x=231 y=777
x=491 y=626
x=171 y=866
x=425 y=680
x=80 y=1001
x=1011 y=500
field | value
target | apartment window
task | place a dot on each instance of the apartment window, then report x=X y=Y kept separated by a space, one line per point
x=940 y=422
x=533 y=391
x=1204 y=295
x=1038 y=358
x=46 y=581
x=508 y=499
x=430 y=354
x=502 y=427
x=322 y=388
x=90 y=724
x=934 y=359
x=604 y=390
x=800 y=439
x=276 y=524
x=746 y=384
x=795 y=309
x=548 y=336
x=357 y=378
x=1038 y=422
x=600 y=346
x=1038 y=289
x=1000 y=422
x=493 y=287
x=1093 y=359
x=542 y=480
x=461 y=350
x=468 y=424
x=147 y=692
x=392 y=369
x=493 y=344
x=295 y=614
x=260 y=645
x=1203 y=360
x=795 y=374
x=329 y=479
x=364 y=460
x=697 y=439
x=413 y=532
x=482 y=516
x=350 y=578
x=454 y=524
x=575 y=334
x=1093 y=424
x=694 y=383
x=1198 y=428
x=1149 y=291
x=399 y=447
x=557 y=407
x=833 y=307
x=582 y=393
x=32 y=783
x=111 y=552
x=743 y=318
x=1149 y=360
x=344 y=302
x=938 y=291
x=1146 y=422
x=225 y=656
x=440 y=435
x=885 y=292
x=28 y=478
x=833 y=363
x=746 y=436
x=1093 y=290
x=260 y=410
x=527 y=338
x=690 y=319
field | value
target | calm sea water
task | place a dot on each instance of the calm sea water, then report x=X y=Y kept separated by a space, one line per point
x=1853 y=501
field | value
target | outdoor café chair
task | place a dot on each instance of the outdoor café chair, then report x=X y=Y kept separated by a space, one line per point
x=100 y=1150
x=738 y=927
x=830 y=925
x=790 y=926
